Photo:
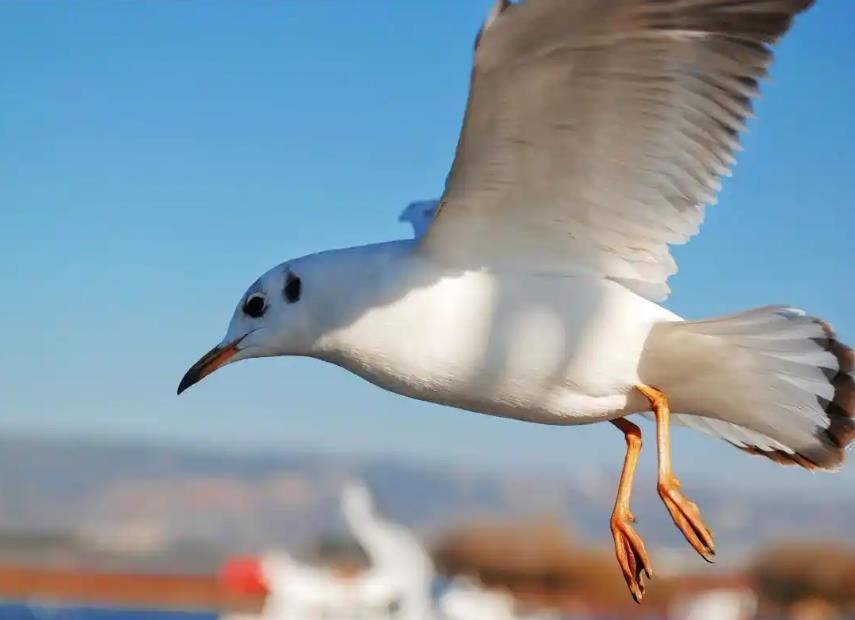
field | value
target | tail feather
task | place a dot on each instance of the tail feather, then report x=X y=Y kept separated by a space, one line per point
x=841 y=406
x=771 y=381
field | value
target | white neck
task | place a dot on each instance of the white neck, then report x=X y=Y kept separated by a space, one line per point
x=355 y=282
x=405 y=322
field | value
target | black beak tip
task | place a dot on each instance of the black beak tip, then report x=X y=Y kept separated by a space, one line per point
x=189 y=380
x=211 y=361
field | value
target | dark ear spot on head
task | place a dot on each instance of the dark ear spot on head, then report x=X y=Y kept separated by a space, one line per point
x=293 y=288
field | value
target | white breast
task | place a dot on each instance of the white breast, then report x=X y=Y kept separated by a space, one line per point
x=557 y=350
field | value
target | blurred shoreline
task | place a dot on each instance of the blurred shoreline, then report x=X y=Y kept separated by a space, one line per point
x=149 y=526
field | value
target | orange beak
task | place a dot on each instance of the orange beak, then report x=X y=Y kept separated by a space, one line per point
x=211 y=361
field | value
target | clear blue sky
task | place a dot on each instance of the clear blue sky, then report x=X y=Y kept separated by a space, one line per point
x=157 y=156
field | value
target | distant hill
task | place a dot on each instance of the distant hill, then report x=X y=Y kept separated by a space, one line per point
x=65 y=500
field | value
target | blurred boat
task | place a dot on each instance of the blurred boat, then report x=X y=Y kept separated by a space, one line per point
x=401 y=570
x=396 y=585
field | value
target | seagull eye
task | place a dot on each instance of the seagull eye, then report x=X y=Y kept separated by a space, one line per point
x=255 y=306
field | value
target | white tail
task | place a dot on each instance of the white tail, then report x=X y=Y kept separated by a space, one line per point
x=772 y=381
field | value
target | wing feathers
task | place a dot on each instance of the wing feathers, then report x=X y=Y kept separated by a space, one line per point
x=597 y=131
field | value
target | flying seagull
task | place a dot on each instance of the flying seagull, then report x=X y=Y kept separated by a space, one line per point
x=596 y=133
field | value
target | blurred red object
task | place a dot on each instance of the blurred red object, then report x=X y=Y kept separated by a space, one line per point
x=243 y=575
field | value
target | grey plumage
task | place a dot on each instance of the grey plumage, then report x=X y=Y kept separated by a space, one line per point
x=598 y=130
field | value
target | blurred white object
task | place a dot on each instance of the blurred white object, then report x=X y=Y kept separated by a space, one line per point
x=466 y=600
x=304 y=592
x=738 y=604
x=401 y=571
x=396 y=585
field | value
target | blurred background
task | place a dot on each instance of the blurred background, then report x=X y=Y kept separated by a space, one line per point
x=155 y=157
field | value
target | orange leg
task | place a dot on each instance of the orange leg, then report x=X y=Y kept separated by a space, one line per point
x=629 y=547
x=685 y=513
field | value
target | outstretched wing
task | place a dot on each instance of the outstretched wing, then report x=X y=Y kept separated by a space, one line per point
x=597 y=130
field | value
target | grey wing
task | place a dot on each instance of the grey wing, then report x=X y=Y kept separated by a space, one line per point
x=598 y=130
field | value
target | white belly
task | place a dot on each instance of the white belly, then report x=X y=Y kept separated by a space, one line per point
x=554 y=350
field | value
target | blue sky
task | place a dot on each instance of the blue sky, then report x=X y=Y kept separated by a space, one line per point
x=157 y=156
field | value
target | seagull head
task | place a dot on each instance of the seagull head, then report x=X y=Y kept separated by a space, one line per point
x=270 y=319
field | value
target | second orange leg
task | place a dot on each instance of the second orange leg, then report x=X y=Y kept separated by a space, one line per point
x=686 y=514
x=629 y=547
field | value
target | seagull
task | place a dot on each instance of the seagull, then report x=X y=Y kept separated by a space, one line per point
x=596 y=134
